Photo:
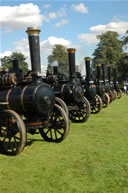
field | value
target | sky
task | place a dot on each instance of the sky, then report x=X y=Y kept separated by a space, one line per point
x=74 y=24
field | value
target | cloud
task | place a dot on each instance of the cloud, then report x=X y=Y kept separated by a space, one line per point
x=52 y=15
x=62 y=22
x=20 y=17
x=118 y=26
x=47 y=45
x=90 y=38
x=80 y=8
x=6 y=53
x=61 y=12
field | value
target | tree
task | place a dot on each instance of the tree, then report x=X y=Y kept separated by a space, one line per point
x=59 y=54
x=125 y=40
x=109 y=49
x=6 y=61
x=122 y=67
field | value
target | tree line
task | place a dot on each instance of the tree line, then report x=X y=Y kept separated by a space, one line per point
x=110 y=50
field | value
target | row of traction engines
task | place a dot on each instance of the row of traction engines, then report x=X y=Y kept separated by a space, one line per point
x=34 y=104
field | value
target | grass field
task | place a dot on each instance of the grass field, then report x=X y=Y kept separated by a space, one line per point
x=92 y=159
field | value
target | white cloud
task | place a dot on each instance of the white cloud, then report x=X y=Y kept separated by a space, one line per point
x=6 y=53
x=62 y=22
x=22 y=16
x=47 y=45
x=80 y=8
x=52 y=15
x=90 y=38
x=118 y=26
x=61 y=12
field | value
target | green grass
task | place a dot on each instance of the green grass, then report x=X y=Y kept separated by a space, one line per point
x=92 y=159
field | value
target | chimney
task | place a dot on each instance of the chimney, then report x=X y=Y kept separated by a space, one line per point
x=34 y=46
x=103 y=72
x=109 y=73
x=115 y=75
x=87 y=67
x=55 y=70
x=98 y=67
x=71 y=57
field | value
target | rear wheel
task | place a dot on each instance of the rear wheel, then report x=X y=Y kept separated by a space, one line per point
x=12 y=133
x=119 y=94
x=58 y=127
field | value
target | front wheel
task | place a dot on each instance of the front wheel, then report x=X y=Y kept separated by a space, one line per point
x=82 y=113
x=97 y=106
x=58 y=127
x=12 y=133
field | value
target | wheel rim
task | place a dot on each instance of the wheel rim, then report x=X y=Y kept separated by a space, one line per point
x=96 y=108
x=59 y=126
x=12 y=133
x=83 y=112
x=62 y=104
x=119 y=94
x=105 y=100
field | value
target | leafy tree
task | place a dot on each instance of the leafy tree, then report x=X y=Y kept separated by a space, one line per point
x=125 y=40
x=122 y=67
x=6 y=61
x=109 y=49
x=59 y=54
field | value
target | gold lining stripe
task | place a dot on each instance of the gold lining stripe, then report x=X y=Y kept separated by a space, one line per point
x=87 y=58
x=98 y=64
x=7 y=97
x=21 y=98
x=71 y=50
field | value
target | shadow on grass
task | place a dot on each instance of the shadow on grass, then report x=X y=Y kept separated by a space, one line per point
x=29 y=142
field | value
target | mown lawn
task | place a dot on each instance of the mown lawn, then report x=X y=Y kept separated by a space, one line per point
x=93 y=158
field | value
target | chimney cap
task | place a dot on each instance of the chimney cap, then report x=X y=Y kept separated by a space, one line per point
x=87 y=58
x=33 y=31
x=71 y=50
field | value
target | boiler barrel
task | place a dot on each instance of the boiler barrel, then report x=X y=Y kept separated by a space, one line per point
x=28 y=99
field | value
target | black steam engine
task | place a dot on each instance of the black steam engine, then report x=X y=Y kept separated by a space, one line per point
x=101 y=86
x=28 y=104
x=90 y=91
x=70 y=91
x=116 y=85
x=112 y=92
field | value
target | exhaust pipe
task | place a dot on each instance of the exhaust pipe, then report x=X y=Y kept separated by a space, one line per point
x=34 y=46
x=71 y=58
x=87 y=67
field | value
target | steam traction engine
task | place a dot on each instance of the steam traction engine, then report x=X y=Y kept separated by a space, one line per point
x=112 y=93
x=101 y=86
x=28 y=104
x=90 y=89
x=71 y=92
x=116 y=85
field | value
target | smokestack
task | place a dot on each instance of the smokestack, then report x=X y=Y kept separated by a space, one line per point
x=103 y=72
x=87 y=67
x=55 y=70
x=71 y=57
x=98 y=67
x=109 y=73
x=34 y=46
x=115 y=75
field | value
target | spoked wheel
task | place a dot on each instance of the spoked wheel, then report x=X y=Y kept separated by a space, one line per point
x=96 y=108
x=62 y=104
x=114 y=95
x=12 y=133
x=58 y=128
x=106 y=100
x=82 y=113
x=111 y=96
x=119 y=94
